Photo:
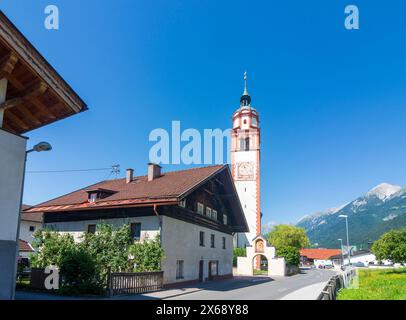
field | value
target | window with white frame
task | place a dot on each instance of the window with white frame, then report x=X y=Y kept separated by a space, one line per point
x=214 y=214
x=93 y=197
x=179 y=269
x=200 y=208
x=182 y=203
x=224 y=219
x=208 y=212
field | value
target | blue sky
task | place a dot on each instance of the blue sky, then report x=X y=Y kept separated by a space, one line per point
x=332 y=102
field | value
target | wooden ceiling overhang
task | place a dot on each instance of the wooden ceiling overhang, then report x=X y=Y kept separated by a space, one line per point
x=36 y=94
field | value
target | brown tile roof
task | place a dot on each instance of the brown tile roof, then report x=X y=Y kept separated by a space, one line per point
x=319 y=254
x=167 y=188
x=24 y=246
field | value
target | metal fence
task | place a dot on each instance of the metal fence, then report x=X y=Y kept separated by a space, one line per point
x=336 y=283
x=132 y=283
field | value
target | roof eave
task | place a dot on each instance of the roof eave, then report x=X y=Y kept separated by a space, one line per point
x=19 y=44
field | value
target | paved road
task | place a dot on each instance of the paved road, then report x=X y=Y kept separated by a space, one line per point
x=257 y=288
x=239 y=288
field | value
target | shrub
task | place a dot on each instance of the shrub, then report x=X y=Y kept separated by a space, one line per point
x=238 y=252
x=50 y=247
x=109 y=247
x=78 y=273
x=291 y=255
x=147 y=255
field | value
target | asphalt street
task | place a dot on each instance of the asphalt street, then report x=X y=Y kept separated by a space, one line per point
x=258 y=288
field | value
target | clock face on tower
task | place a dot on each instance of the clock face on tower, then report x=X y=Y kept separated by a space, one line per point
x=245 y=171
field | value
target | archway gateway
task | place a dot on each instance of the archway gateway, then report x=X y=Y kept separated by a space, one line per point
x=260 y=265
x=260 y=260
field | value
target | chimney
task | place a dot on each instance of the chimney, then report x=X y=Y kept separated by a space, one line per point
x=154 y=171
x=130 y=175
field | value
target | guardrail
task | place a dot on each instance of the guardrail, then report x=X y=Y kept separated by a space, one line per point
x=336 y=283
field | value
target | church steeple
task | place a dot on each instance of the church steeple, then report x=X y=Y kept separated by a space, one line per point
x=245 y=100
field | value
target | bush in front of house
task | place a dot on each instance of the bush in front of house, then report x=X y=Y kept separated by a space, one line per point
x=84 y=266
x=109 y=247
x=50 y=248
x=78 y=273
x=147 y=256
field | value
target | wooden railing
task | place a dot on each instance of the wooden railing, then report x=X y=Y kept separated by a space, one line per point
x=133 y=283
x=336 y=283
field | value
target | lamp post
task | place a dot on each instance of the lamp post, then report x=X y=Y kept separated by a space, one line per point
x=348 y=239
x=342 y=255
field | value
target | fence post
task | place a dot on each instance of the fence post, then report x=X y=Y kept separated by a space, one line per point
x=109 y=284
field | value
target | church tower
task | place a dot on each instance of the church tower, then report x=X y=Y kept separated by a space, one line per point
x=245 y=165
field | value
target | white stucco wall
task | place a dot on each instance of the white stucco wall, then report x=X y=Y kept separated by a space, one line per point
x=149 y=226
x=25 y=233
x=247 y=192
x=180 y=241
x=12 y=158
x=12 y=162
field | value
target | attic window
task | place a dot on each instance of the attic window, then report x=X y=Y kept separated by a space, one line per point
x=92 y=197
x=97 y=194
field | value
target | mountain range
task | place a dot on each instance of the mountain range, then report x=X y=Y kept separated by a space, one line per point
x=369 y=216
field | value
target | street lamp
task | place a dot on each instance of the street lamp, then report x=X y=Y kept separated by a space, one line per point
x=42 y=146
x=342 y=255
x=348 y=239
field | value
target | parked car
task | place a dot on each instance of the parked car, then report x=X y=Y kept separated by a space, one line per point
x=358 y=264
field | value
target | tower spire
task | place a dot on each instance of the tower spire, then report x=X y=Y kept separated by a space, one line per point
x=245 y=100
x=245 y=84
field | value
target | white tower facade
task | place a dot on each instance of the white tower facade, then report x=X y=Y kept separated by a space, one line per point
x=245 y=165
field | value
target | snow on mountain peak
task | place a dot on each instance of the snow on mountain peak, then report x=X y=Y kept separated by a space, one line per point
x=383 y=191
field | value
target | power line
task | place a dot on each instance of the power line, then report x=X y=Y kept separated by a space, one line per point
x=113 y=169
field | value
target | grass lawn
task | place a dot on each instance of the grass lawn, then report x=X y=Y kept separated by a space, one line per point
x=387 y=284
x=260 y=272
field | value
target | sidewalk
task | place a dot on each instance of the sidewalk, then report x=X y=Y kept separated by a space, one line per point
x=307 y=293
x=159 y=295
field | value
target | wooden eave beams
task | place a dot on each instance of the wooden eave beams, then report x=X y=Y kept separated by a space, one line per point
x=21 y=47
x=8 y=64
x=33 y=92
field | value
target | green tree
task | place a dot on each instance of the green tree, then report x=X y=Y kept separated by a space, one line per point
x=238 y=252
x=291 y=255
x=50 y=247
x=147 y=255
x=284 y=235
x=391 y=246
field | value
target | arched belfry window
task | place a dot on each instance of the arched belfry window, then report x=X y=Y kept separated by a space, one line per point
x=242 y=144
x=245 y=144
